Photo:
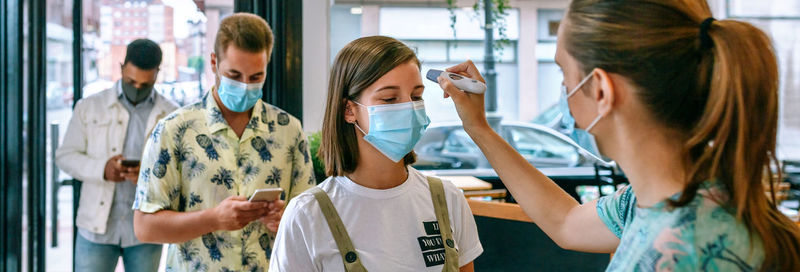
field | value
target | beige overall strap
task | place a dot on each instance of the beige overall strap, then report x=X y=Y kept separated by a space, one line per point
x=349 y=256
x=442 y=216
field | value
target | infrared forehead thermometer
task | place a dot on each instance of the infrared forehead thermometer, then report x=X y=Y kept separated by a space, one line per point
x=462 y=82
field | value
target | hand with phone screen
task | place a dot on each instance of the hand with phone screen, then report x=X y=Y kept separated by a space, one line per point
x=275 y=208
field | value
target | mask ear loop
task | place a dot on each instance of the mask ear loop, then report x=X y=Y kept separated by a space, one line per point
x=575 y=90
x=597 y=119
x=359 y=128
x=355 y=123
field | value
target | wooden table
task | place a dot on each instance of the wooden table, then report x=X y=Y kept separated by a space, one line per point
x=468 y=183
x=508 y=211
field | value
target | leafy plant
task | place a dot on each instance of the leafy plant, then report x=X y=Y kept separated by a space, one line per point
x=313 y=146
x=196 y=62
x=499 y=12
x=451 y=7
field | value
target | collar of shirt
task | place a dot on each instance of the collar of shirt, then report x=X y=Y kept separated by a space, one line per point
x=215 y=121
x=118 y=86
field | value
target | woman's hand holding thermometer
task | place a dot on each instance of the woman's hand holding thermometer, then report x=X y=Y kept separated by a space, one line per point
x=469 y=105
x=462 y=82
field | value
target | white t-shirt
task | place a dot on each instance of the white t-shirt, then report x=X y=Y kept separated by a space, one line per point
x=391 y=230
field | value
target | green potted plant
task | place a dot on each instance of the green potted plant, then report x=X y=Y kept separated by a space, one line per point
x=319 y=167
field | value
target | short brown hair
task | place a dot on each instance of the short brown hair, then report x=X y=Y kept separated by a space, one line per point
x=246 y=31
x=359 y=64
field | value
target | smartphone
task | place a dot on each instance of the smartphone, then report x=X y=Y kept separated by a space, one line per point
x=130 y=163
x=266 y=195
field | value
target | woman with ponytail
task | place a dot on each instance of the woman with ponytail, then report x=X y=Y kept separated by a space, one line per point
x=688 y=107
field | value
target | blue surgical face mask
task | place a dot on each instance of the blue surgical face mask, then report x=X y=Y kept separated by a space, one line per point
x=395 y=129
x=582 y=137
x=238 y=96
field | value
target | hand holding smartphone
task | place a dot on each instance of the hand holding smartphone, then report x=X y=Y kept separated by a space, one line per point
x=130 y=163
x=266 y=195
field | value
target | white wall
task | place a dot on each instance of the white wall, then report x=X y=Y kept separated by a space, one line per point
x=316 y=46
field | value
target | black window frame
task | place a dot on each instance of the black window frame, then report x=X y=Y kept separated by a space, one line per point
x=11 y=114
x=284 y=83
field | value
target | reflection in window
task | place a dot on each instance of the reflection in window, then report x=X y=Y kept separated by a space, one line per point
x=549 y=74
x=59 y=96
x=459 y=142
x=427 y=30
x=534 y=144
x=764 y=8
x=179 y=27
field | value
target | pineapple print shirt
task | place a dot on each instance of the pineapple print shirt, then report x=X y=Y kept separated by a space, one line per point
x=193 y=160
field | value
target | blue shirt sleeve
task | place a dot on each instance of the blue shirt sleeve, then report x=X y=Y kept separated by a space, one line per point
x=617 y=210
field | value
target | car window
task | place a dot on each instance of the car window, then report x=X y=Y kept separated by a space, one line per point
x=539 y=144
x=459 y=142
x=548 y=116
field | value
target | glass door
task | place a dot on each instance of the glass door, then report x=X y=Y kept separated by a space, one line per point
x=184 y=30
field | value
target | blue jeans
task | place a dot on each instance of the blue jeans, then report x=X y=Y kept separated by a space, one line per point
x=103 y=258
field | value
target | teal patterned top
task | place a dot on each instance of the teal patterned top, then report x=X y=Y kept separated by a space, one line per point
x=701 y=236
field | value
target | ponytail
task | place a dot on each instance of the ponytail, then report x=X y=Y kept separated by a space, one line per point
x=734 y=141
x=718 y=88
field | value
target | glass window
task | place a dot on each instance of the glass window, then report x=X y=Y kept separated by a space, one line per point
x=427 y=27
x=550 y=78
x=459 y=142
x=430 y=51
x=448 y=147
x=764 y=8
x=59 y=92
x=549 y=75
x=345 y=26
x=186 y=43
x=547 y=24
x=542 y=148
x=428 y=31
x=780 y=19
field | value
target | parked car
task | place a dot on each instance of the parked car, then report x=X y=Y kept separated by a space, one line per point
x=447 y=146
x=551 y=118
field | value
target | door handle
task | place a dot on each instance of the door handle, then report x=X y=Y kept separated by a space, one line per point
x=55 y=185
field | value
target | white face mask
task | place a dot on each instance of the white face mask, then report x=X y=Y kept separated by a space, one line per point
x=583 y=138
x=395 y=129
x=238 y=96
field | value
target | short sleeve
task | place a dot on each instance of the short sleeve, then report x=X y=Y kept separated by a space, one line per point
x=159 y=180
x=617 y=210
x=291 y=249
x=302 y=167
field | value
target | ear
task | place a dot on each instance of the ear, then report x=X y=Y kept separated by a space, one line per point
x=349 y=111
x=213 y=62
x=604 y=93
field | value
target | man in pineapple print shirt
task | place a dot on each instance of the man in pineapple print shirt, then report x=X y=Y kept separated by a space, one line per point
x=204 y=160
